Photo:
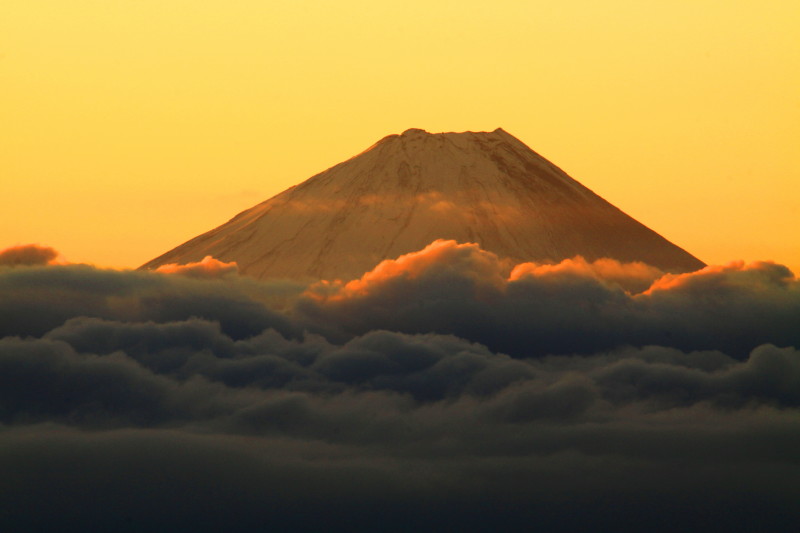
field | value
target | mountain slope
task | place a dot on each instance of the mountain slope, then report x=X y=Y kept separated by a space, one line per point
x=408 y=190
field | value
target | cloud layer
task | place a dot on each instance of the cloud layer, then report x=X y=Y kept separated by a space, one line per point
x=445 y=390
x=572 y=307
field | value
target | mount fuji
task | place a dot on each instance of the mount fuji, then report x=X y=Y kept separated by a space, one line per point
x=408 y=190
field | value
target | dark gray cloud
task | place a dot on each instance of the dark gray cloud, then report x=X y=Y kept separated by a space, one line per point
x=26 y=255
x=444 y=396
x=463 y=290
x=38 y=299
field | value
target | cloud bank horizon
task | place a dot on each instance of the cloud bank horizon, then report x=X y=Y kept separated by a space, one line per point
x=442 y=388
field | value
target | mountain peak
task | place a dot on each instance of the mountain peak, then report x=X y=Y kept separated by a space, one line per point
x=410 y=189
x=419 y=131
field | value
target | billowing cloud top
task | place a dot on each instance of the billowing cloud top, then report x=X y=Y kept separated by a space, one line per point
x=571 y=307
x=446 y=389
x=208 y=267
x=27 y=254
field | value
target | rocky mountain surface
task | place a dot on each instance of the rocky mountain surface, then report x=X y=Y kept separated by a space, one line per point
x=408 y=190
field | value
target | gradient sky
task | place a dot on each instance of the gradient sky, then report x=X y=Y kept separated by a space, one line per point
x=129 y=127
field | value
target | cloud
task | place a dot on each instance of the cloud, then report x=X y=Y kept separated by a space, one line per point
x=27 y=254
x=633 y=277
x=444 y=390
x=644 y=430
x=208 y=267
x=38 y=299
x=439 y=259
x=570 y=307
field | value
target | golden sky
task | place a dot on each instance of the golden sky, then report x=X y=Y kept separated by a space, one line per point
x=128 y=127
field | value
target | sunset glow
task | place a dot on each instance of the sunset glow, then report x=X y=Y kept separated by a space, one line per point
x=129 y=127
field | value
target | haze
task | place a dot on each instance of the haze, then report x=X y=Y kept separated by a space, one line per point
x=130 y=126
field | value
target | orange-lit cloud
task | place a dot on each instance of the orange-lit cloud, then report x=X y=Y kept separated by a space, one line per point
x=572 y=306
x=28 y=255
x=208 y=267
x=633 y=277
x=756 y=275
x=438 y=258
x=486 y=270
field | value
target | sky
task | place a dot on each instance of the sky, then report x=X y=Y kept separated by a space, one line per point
x=132 y=126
